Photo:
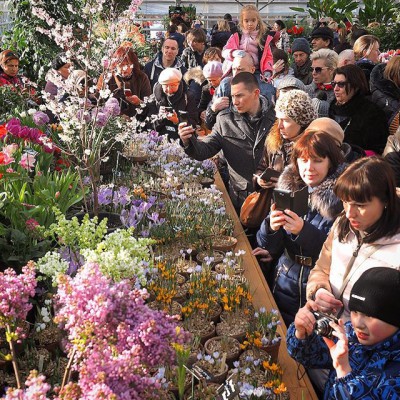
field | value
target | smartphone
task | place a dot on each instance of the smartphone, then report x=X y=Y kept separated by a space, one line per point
x=183 y=116
x=128 y=92
x=269 y=173
x=294 y=201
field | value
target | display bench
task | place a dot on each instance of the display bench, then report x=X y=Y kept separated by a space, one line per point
x=262 y=297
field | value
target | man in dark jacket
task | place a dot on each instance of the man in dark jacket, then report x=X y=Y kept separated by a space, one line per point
x=168 y=57
x=240 y=132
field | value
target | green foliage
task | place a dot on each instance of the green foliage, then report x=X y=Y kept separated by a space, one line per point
x=12 y=101
x=381 y=11
x=36 y=50
x=336 y=9
x=389 y=35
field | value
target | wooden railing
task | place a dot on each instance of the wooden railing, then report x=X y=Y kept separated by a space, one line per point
x=300 y=389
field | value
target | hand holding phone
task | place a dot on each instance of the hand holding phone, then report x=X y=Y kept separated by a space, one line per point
x=127 y=92
x=269 y=173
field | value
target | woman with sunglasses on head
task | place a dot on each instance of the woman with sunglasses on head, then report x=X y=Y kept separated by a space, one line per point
x=324 y=63
x=363 y=122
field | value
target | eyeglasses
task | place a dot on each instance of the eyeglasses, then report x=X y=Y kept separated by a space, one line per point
x=340 y=84
x=318 y=70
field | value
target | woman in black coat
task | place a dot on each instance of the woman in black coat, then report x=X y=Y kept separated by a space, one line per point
x=364 y=123
x=385 y=89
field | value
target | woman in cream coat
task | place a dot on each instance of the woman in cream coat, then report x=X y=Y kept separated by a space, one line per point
x=366 y=235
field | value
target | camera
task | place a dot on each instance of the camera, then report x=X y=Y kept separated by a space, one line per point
x=322 y=326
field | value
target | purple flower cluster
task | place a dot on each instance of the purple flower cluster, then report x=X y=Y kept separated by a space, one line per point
x=116 y=336
x=140 y=215
x=108 y=195
x=15 y=291
x=111 y=107
x=40 y=118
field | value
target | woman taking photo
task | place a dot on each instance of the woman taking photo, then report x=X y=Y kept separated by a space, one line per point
x=363 y=122
x=126 y=81
x=294 y=241
x=366 y=235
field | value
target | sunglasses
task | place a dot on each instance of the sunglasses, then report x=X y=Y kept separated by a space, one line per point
x=318 y=70
x=340 y=84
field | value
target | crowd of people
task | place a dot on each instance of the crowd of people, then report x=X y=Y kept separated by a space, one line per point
x=326 y=123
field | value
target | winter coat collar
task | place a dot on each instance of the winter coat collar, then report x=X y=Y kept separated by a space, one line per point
x=265 y=106
x=196 y=74
x=378 y=82
x=322 y=198
x=353 y=106
x=302 y=71
x=158 y=62
x=163 y=99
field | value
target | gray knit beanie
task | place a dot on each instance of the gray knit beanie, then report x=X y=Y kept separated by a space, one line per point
x=296 y=105
x=301 y=44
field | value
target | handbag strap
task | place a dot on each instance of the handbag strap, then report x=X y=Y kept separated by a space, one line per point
x=349 y=272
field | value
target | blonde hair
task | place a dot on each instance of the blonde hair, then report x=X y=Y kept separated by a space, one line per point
x=330 y=57
x=392 y=70
x=223 y=25
x=363 y=46
x=260 y=25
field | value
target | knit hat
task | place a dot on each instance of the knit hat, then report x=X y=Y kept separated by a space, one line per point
x=322 y=32
x=8 y=55
x=321 y=107
x=213 y=69
x=169 y=75
x=290 y=82
x=59 y=61
x=329 y=126
x=296 y=105
x=377 y=294
x=301 y=44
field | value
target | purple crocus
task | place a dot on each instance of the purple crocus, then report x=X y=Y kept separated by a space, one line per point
x=101 y=119
x=40 y=118
x=111 y=107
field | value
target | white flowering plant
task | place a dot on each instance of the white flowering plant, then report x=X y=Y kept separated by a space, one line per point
x=88 y=119
x=121 y=256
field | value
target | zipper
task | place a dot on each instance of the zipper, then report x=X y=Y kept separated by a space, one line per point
x=301 y=285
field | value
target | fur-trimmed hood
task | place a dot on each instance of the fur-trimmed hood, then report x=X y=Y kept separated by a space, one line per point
x=322 y=198
x=196 y=74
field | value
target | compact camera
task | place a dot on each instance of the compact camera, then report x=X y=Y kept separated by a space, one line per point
x=322 y=326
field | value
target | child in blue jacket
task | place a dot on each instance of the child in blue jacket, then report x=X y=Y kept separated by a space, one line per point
x=364 y=353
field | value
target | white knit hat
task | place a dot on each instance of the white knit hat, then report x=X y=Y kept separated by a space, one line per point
x=169 y=75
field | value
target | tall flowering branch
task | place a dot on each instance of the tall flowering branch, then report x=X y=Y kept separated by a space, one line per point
x=116 y=338
x=15 y=291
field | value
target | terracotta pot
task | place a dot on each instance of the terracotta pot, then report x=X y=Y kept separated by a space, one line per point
x=203 y=393
x=235 y=328
x=272 y=350
x=218 y=377
x=202 y=328
x=224 y=243
x=218 y=256
x=255 y=353
x=228 y=345
x=206 y=182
